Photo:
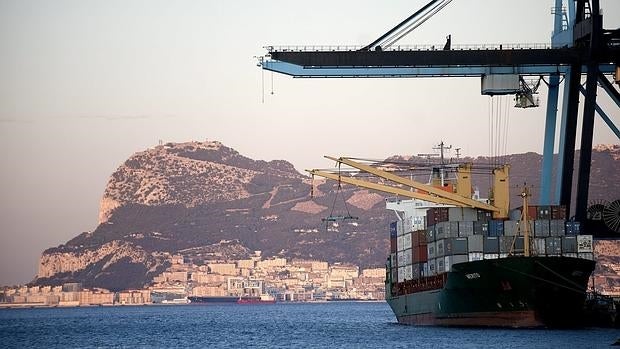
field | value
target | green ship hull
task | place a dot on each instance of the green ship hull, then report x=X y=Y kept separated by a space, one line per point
x=507 y=292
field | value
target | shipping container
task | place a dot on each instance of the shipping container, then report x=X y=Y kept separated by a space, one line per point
x=541 y=228
x=569 y=254
x=553 y=246
x=573 y=228
x=432 y=267
x=569 y=244
x=430 y=233
x=484 y=215
x=586 y=255
x=449 y=261
x=400 y=228
x=393 y=260
x=511 y=244
x=395 y=274
x=393 y=247
x=461 y=214
x=418 y=238
x=446 y=230
x=400 y=258
x=558 y=212
x=393 y=230
x=490 y=244
x=556 y=227
x=430 y=247
x=481 y=228
x=531 y=212
x=475 y=243
x=408 y=272
x=496 y=228
x=584 y=243
x=466 y=228
x=419 y=254
x=436 y=215
x=454 y=246
x=401 y=274
x=439 y=248
x=406 y=241
x=440 y=266
x=539 y=246
x=491 y=256
x=543 y=212
x=407 y=257
x=417 y=270
x=476 y=256
x=511 y=228
x=427 y=271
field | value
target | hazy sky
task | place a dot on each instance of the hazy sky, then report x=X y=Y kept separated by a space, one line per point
x=84 y=84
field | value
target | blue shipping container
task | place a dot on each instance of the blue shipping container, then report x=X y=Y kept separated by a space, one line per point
x=496 y=228
x=393 y=229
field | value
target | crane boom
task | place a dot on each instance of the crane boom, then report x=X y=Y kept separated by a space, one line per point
x=454 y=199
x=380 y=187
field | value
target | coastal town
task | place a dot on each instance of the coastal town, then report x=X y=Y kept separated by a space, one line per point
x=278 y=279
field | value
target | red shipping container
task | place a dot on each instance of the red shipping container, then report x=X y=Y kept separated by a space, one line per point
x=393 y=247
x=418 y=238
x=532 y=212
x=419 y=254
x=558 y=212
x=436 y=215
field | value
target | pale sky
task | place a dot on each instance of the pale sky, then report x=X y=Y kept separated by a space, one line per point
x=85 y=84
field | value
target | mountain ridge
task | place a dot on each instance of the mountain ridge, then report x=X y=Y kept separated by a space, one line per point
x=207 y=201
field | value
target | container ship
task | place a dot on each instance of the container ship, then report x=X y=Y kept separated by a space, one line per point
x=460 y=260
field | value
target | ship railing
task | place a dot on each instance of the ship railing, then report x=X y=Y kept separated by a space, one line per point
x=421 y=47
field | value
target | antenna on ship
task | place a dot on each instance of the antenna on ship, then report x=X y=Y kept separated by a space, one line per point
x=525 y=195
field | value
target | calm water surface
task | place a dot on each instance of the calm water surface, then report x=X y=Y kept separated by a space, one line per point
x=331 y=325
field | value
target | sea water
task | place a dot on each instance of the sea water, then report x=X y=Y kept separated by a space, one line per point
x=282 y=325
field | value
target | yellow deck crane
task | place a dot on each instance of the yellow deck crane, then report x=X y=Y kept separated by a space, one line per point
x=457 y=192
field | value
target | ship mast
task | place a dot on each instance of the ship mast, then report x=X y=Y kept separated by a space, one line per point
x=525 y=194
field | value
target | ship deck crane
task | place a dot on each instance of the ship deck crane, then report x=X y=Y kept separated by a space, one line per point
x=443 y=192
x=579 y=45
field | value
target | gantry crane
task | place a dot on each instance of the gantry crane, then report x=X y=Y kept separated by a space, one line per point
x=579 y=45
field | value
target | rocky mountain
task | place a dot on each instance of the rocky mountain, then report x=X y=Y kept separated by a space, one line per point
x=206 y=201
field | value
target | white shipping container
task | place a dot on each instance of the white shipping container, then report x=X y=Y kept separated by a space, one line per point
x=449 y=261
x=584 y=243
x=400 y=228
x=406 y=241
x=426 y=269
x=407 y=257
x=539 y=247
x=393 y=260
x=573 y=255
x=491 y=256
x=475 y=256
x=432 y=267
x=401 y=258
x=408 y=272
x=503 y=255
x=400 y=242
x=586 y=255
x=401 y=274
x=430 y=248
x=440 y=267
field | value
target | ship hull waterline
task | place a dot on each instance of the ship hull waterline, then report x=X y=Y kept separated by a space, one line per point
x=517 y=292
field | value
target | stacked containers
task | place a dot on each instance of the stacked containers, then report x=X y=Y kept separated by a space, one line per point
x=456 y=235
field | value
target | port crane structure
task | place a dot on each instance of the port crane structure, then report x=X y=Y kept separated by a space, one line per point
x=579 y=46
